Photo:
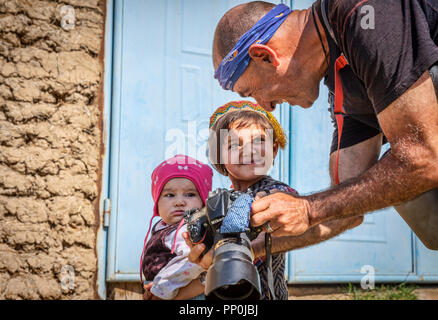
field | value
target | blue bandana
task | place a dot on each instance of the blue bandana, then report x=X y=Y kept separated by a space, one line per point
x=236 y=61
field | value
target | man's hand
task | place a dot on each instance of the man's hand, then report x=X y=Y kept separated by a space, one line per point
x=287 y=215
x=196 y=251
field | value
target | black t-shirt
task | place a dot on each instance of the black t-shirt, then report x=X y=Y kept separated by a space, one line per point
x=385 y=57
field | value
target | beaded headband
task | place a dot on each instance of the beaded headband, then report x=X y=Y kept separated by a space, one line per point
x=236 y=61
x=248 y=105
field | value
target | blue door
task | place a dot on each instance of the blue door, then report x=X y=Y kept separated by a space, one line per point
x=383 y=242
x=163 y=94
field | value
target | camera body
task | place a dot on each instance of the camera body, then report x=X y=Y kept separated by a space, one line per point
x=232 y=275
x=203 y=224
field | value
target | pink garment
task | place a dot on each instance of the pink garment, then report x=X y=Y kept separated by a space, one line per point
x=178 y=272
x=179 y=166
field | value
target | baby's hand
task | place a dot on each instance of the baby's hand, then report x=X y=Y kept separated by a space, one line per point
x=195 y=253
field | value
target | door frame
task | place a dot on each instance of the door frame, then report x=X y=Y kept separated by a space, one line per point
x=111 y=135
x=102 y=230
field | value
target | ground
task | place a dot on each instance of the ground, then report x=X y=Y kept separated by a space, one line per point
x=349 y=292
x=132 y=291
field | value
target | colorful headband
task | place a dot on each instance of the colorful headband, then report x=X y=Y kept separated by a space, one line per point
x=248 y=105
x=236 y=61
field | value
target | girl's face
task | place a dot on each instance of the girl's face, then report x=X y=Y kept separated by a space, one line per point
x=177 y=196
x=248 y=152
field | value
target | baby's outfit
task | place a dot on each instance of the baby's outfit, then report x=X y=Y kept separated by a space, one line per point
x=164 y=258
x=168 y=271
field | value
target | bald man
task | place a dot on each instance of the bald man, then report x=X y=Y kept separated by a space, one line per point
x=377 y=64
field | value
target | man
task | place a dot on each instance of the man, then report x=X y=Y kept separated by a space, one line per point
x=383 y=87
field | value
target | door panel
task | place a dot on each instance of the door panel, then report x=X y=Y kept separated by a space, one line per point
x=163 y=95
x=383 y=241
x=427 y=263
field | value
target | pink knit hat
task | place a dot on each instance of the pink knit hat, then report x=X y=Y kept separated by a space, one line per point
x=179 y=166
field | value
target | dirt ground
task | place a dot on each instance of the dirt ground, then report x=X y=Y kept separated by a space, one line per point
x=339 y=292
x=132 y=291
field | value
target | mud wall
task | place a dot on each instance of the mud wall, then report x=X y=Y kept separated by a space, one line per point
x=50 y=147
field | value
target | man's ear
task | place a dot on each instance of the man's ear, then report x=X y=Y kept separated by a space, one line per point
x=261 y=52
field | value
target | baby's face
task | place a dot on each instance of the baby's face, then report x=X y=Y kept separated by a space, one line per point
x=248 y=152
x=177 y=196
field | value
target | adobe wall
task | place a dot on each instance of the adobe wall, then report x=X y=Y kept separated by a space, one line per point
x=50 y=147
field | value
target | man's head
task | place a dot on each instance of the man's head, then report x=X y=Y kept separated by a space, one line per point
x=281 y=70
x=234 y=24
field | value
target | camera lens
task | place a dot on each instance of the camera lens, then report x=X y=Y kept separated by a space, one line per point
x=243 y=290
x=232 y=275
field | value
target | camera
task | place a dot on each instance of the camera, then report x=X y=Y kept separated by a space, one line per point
x=232 y=275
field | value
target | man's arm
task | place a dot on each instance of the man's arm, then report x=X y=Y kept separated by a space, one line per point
x=410 y=124
x=319 y=233
x=353 y=161
x=314 y=235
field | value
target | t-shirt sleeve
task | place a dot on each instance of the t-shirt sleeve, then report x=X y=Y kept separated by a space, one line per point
x=387 y=44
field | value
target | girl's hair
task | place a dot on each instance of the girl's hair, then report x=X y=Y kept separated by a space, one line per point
x=234 y=120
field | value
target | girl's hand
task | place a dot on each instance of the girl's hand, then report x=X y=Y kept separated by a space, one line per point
x=147 y=295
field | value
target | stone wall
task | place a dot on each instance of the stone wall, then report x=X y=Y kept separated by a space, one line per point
x=51 y=62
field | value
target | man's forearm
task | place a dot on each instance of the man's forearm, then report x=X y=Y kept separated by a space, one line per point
x=410 y=124
x=318 y=233
x=390 y=182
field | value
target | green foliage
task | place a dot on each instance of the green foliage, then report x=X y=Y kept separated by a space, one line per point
x=402 y=291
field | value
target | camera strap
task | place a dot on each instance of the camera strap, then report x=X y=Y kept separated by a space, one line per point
x=268 y=262
x=237 y=220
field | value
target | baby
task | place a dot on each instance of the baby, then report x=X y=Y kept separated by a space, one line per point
x=179 y=184
x=243 y=144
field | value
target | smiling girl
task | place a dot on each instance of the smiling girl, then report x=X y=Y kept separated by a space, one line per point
x=244 y=142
